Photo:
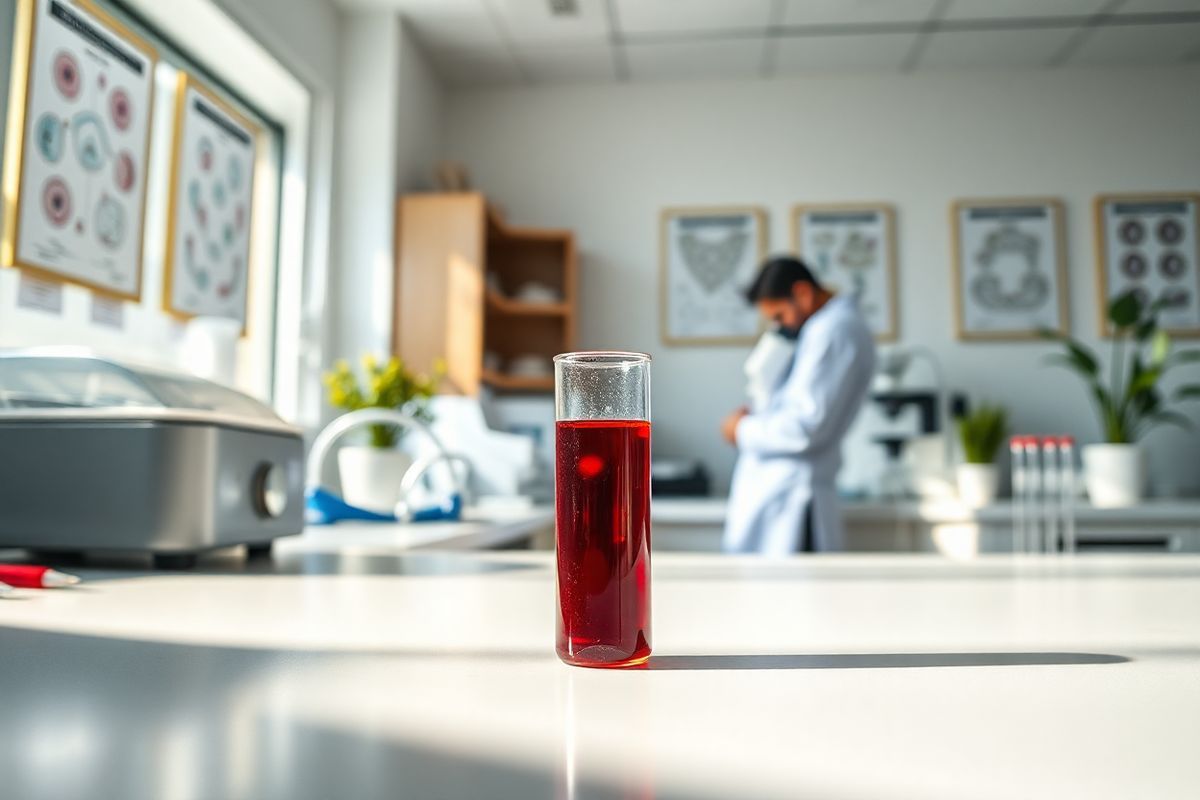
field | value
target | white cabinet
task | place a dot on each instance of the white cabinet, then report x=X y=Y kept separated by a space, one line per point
x=948 y=527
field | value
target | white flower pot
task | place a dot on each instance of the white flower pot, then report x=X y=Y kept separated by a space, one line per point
x=1115 y=474
x=371 y=476
x=977 y=484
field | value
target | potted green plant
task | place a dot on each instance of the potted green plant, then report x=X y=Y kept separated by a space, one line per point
x=1129 y=400
x=981 y=432
x=371 y=473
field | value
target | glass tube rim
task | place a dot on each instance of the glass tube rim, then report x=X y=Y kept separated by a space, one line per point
x=602 y=359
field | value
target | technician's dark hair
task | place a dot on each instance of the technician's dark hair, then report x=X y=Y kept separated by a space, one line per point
x=777 y=277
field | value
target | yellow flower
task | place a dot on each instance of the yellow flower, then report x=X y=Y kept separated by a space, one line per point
x=385 y=384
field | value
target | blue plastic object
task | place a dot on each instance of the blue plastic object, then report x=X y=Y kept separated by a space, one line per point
x=450 y=511
x=325 y=508
x=322 y=507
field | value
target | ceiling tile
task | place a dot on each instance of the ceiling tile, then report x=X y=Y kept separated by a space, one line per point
x=531 y=22
x=991 y=49
x=450 y=23
x=718 y=58
x=1164 y=43
x=854 y=12
x=853 y=53
x=1015 y=9
x=1158 y=6
x=476 y=67
x=578 y=64
x=673 y=16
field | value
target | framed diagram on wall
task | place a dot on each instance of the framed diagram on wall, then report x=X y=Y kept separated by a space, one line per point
x=1150 y=243
x=75 y=164
x=209 y=206
x=852 y=248
x=1010 y=276
x=708 y=256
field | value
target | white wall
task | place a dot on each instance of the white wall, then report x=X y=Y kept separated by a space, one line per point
x=303 y=36
x=365 y=165
x=420 y=117
x=603 y=160
x=389 y=134
x=282 y=56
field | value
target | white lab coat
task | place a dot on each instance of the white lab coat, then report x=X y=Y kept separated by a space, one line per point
x=789 y=451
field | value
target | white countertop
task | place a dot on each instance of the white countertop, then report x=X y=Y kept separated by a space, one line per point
x=392 y=674
x=479 y=529
x=711 y=511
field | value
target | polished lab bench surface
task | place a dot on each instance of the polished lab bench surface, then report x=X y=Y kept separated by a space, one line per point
x=479 y=529
x=406 y=674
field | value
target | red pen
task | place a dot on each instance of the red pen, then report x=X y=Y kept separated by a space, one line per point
x=27 y=576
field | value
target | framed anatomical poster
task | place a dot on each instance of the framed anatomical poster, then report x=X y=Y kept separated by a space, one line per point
x=1010 y=276
x=79 y=139
x=1150 y=243
x=708 y=257
x=852 y=248
x=209 y=206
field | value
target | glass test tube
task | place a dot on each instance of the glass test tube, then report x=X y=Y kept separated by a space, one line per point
x=602 y=507
x=1033 y=492
x=1051 y=500
x=1066 y=457
x=1016 y=451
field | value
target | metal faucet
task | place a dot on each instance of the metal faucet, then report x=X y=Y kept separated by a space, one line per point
x=333 y=507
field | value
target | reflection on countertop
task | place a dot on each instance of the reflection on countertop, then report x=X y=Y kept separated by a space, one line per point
x=427 y=674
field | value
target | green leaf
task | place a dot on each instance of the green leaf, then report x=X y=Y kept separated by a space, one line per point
x=1146 y=328
x=982 y=432
x=1185 y=357
x=1160 y=348
x=1081 y=358
x=1191 y=392
x=1125 y=309
x=1143 y=381
x=1169 y=418
x=1115 y=429
x=1146 y=402
x=1067 y=362
x=1103 y=399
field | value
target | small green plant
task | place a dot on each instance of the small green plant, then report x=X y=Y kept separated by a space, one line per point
x=1132 y=403
x=390 y=385
x=982 y=431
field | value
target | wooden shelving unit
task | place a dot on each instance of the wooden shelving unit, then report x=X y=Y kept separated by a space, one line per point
x=447 y=246
x=519 y=308
x=518 y=383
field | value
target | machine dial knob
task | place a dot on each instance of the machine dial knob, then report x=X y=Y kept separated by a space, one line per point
x=270 y=491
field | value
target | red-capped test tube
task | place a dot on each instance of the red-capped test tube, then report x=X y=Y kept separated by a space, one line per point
x=1067 y=490
x=1016 y=452
x=1033 y=492
x=1050 y=502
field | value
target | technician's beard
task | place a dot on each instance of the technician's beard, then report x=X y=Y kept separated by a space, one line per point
x=789 y=332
